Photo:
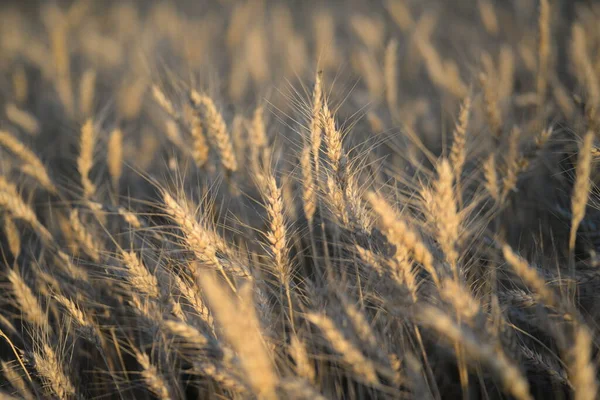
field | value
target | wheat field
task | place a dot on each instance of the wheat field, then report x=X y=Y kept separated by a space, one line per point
x=260 y=199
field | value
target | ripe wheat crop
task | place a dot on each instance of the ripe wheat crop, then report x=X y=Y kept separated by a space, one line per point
x=274 y=199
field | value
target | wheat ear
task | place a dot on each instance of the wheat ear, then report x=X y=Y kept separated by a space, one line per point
x=581 y=367
x=27 y=301
x=512 y=378
x=309 y=193
x=399 y=233
x=152 y=377
x=50 y=367
x=36 y=167
x=85 y=161
x=350 y=354
x=12 y=235
x=459 y=139
x=16 y=380
x=530 y=276
x=217 y=130
x=581 y=188
x=115 y=157
x=12 y=201
x=241 y=328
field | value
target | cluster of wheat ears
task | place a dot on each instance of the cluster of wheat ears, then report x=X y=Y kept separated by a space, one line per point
x=267 y=199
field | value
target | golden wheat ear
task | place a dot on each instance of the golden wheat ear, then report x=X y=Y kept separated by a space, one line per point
x=240 y=326
x=85 y=161
x=217 y=130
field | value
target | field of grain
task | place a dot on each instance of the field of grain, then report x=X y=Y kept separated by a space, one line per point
x=261 y=199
